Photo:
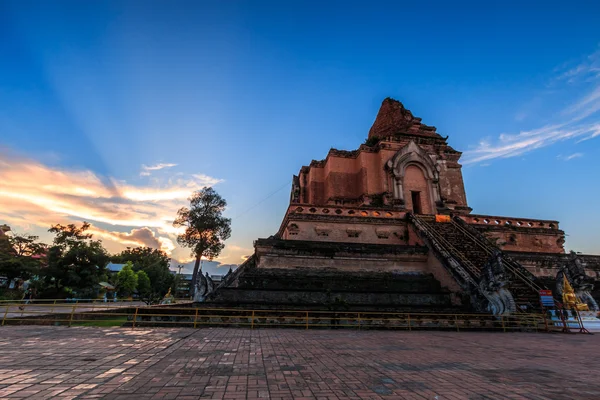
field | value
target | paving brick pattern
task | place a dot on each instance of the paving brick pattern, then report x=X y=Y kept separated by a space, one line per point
x=218 y=363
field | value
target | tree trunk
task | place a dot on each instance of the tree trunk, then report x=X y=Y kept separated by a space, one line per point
x=195 y=277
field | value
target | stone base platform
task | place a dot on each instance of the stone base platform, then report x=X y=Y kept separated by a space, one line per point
x=328 y=289
x=341 y=276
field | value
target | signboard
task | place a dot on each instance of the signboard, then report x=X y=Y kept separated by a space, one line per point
x=546 y=298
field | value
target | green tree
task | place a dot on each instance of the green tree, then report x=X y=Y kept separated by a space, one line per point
x=144 y=288
x=21 y=256
x=142 y=257
x=155 y=263
x=75 y=261
x=205 y=227
x=126 y=280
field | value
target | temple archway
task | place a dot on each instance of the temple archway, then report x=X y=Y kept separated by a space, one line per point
x=415 y=180
x=416 y=190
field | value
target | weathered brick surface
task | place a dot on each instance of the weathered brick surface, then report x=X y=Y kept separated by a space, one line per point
x=414 y=180
x=357 y=175
x=88 y=363
x=393 y=118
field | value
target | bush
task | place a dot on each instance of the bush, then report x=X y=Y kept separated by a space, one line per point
x=372 y=141
x=11 y=294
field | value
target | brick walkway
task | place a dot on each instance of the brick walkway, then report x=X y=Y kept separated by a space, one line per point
x=60 y=362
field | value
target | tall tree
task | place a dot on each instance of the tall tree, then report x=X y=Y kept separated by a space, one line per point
x=205 y=227
x=75 y=260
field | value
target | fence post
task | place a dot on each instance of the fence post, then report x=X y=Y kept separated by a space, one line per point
x=545 y=321
x=456 y=322
x=503 y=326
x=196 y=318
x=359 y=321
x=408 y=319
x=307 y=320
x=135 y=317
x=252 y=320
x=71 y=319
x=5 y=312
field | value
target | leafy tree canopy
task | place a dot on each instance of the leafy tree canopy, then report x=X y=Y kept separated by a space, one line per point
x=127 y=280
x=206 y=230
x=142 y=257
x=144 y=288
x=21 y=256
x=154 y=263
x=75 y=260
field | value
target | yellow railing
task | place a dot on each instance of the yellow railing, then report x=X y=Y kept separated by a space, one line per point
x=133 y=316
x=79 y=301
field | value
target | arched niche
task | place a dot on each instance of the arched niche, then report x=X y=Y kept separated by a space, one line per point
x=415 y=159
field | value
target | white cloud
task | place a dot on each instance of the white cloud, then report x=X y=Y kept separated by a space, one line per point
x=570 y=157
x=574 y=122
x=587 y=69
x=156 y=167
x=587 y=106
x=207 y=180
x=511 y=145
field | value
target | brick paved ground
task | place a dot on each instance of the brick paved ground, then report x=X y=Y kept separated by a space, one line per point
x=59 y=362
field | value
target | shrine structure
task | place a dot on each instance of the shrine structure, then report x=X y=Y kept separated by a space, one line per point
x=388 y=226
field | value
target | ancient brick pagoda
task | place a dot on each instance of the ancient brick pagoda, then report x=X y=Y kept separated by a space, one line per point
x=388 y=226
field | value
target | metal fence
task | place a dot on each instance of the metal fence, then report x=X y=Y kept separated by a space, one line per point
x=81 y=301
x=133 y=316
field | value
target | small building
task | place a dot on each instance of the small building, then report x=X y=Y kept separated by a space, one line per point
x=114 y=268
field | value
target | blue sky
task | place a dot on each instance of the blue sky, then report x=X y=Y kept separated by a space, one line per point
x=126 y=106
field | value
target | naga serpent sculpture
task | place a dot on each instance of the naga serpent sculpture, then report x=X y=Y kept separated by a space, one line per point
x=574 y=272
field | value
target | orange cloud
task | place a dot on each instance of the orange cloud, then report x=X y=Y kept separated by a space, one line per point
x=137 y=237
x=35 y=196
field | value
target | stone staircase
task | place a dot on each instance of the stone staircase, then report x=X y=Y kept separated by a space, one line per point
x=468 y=254
x=316 y=288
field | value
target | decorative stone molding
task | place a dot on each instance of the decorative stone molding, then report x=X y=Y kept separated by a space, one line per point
x=353 y=232
x=293 y=229
x=412 y=154
x=492 y=220
x=383 y=233
x=322 y=230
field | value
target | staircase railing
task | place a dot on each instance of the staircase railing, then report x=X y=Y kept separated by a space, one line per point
x=469 y=272
x=516 y=269
x=235 y=274
x=475 y=272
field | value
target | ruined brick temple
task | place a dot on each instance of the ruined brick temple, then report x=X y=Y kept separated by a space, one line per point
x=388 y=226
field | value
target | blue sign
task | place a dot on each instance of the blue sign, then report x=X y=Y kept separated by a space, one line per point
x=547 y=301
